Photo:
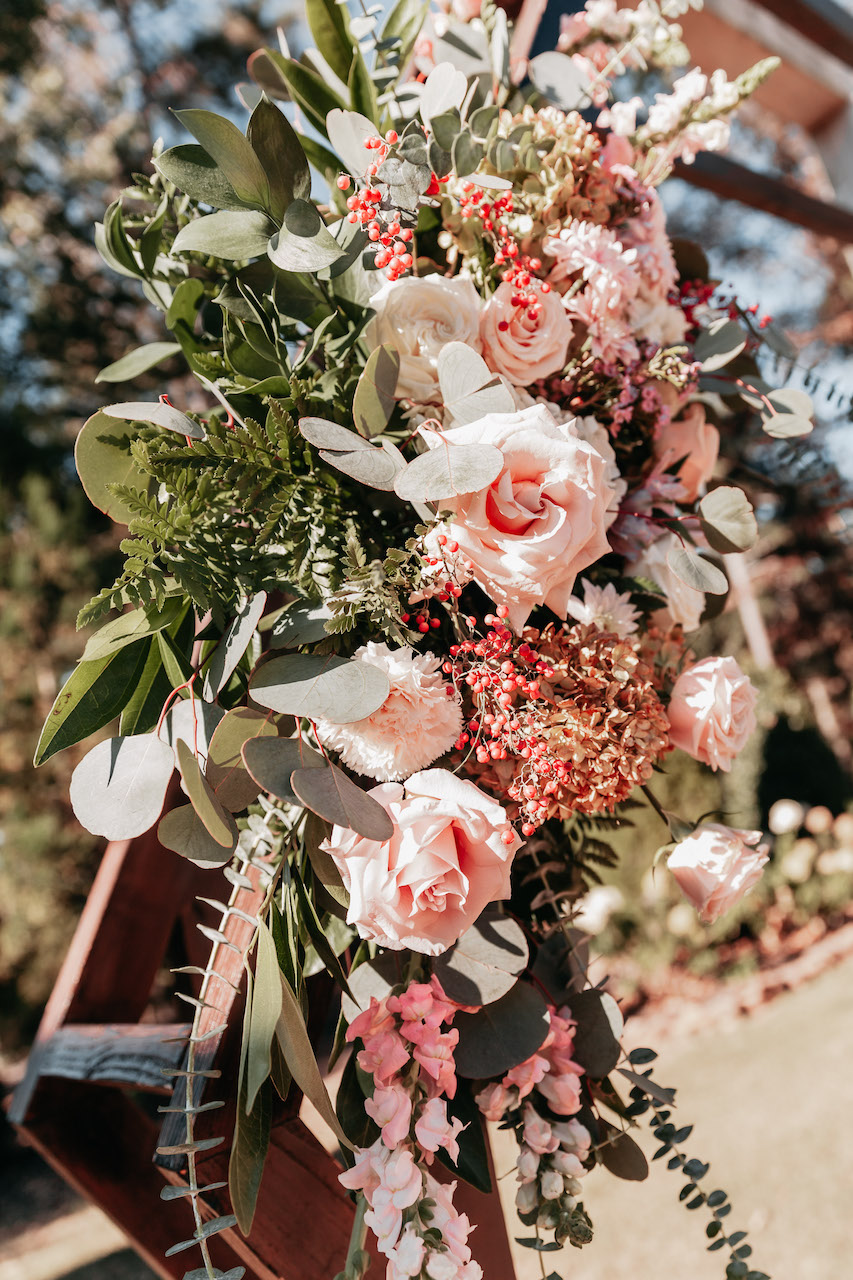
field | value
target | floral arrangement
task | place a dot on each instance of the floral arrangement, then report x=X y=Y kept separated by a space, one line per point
x=411 y=580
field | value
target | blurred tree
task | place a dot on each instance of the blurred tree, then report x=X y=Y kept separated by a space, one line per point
x=85 y=89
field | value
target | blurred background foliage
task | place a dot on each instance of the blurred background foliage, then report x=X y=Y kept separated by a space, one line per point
x=85 y=89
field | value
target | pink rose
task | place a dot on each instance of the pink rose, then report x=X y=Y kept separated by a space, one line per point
x=542 y=521
x=712 y=711
x=524 y=343
x=391 y=1108
x=715 y=866
x=696 y=441
x=449 y=856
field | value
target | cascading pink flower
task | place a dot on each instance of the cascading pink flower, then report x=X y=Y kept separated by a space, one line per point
x=434 y=1129
x=542 y=521
x=449 y=856
x=391 y=1108
x=712 y=711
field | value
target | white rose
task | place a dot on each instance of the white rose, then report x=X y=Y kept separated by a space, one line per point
x=419 y=315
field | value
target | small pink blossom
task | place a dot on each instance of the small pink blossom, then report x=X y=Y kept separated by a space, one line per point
x=562 y=1092
x=391 y=1108
x=383 y=1055
x=401 y=1179
x=434 y=1051
x=370 y=1021
x=538 y=1133
x=422 y=1001
x=433 y=1129
x=407 y=1257
x=366 y=1174
x=494 y=1100
x=526 y=1074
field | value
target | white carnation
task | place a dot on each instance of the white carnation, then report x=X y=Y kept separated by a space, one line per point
x=605 y=608
x=416 y=723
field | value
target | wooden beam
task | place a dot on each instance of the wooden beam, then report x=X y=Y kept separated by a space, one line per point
x=824 y=22
x=132 y=1055
x=734 y=181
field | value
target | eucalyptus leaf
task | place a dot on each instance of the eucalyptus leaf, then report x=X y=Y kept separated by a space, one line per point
x=377 y=468
x=559 y=79
x=502 y=1034
x=320 y=686
x=486 y=961
x=597 y=1045
x=728 y=520
x=301 y=622
x=322 y=863
x=406 y=182
x=719 y=344
x=786 y=426
x=197 y=174
x=330 y=435
x=138 y=361
x=374 y=979
x=219 y=824
x=225 y=771
x=622 y=1156
x=192 y=721
x=271 y=761
x=102 y=456
x=374 y=400
x=331 y=794
x=183 y=831
x=232 y=152
x=299 y=1056
x=266 y=1011
x=348 y=131
x=162 y=415
x=119 y=787
x=448 y=470
x=233 y=644
x=227 y=235
x=666 y=1097
x=445 y=88
x=695 y=571
x=308 y=89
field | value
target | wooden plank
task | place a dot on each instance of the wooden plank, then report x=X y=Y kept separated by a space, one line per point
x=823 y=22
x=101 y=1143
x=734 y=181
x=132 y=1055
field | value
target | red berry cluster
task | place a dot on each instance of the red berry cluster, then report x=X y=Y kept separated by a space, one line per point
x=503 y=679
x=385 y=231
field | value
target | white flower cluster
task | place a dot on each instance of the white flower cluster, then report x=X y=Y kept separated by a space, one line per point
x=550 y=1165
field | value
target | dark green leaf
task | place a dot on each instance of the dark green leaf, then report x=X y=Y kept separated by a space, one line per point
x=278 y=148
x=227 y=235
x=666 y=1097
x=405 y=21
x=130 y=627
x=349 y=1105
x=306 y=88
x=196 y=173
x=473 y=1164
x=325 y=872
x=719 y=344
x=324 y=949
x=251 y=1139
x=360 y=85
x=600 y=1023
x=329 y=24
x=93 y=695
x=232 y=153
x=622 y=1156
x=501 y=1035
x=266 y=1011
x=304 y=243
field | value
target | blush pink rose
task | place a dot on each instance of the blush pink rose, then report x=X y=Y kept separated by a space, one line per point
x=520 y=345
x=695 y=440
x=449 y=856
x=716 y=865
x=712 y=711
x=542 y=521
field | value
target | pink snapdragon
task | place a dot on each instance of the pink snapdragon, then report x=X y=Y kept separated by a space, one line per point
x=434 y=1129
x=391 y=1108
